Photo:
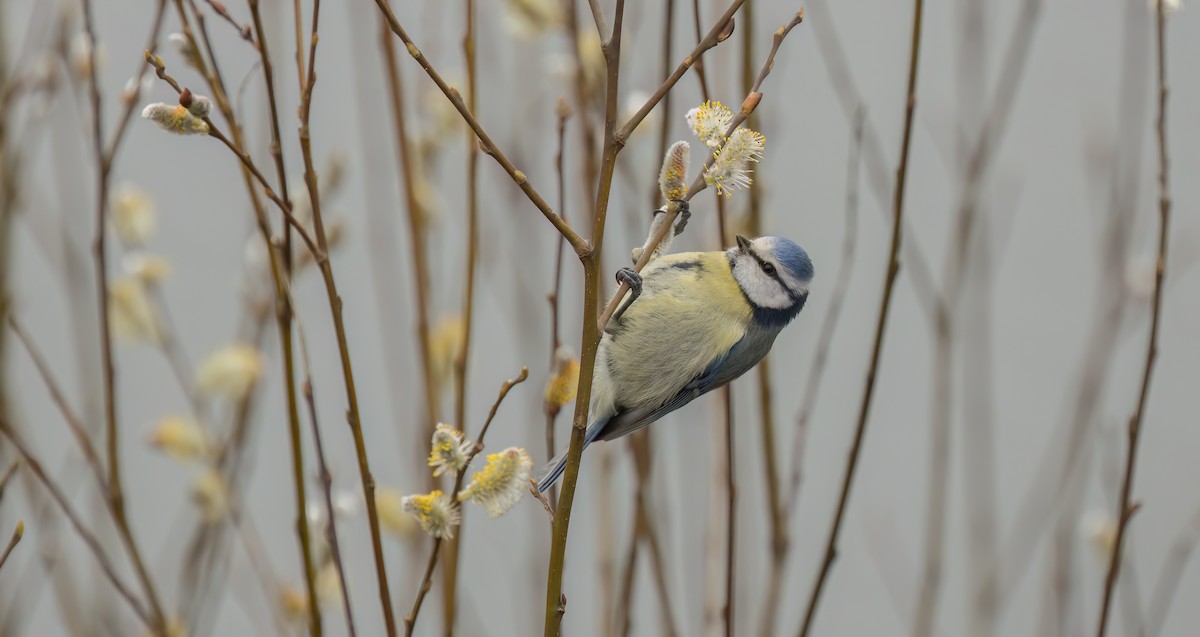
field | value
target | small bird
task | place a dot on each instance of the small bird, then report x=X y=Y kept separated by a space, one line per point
x=694 y=322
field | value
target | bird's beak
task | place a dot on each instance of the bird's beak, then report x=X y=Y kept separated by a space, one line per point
x=743 y=244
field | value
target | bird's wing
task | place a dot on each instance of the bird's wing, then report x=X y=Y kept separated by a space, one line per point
x=733 y=363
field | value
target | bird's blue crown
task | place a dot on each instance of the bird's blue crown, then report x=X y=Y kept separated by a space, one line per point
x=791 y=256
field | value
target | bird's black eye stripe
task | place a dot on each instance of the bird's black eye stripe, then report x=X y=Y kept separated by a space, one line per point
x=769 y=269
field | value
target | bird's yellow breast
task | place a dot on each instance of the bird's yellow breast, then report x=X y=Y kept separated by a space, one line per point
x=691 y=312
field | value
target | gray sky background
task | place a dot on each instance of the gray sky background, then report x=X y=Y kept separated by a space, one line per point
x=1046 y=202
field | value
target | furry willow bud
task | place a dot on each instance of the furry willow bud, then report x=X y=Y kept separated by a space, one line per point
x=436 y=512
x=181 y=438
x=561 y=387
x=393 y=516
x=230 y=371
x=211 y=495
x=175 y=119
x=731 y=170
x=672 y=181
x=500 y=484
x=133 y=216
x=448 y=450
x=133 y=314
x=710 y=121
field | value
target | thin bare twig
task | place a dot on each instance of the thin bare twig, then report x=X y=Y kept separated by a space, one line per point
x=450 y=570
x=326 y=477
x=284 y=317
x=590 y=338
x=100 y=253
x=60 y=400
x=748 y=105
x=12 y=542
x=552 y=410
x=82 y=528
x=1126 y=508
x=881 y=324
x=410 y=620
x=577 y=242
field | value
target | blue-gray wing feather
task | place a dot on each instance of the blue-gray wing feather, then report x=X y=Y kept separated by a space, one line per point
x=736 y=361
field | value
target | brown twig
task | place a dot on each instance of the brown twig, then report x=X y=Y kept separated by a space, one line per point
x=115 y=494
x=12 y=542
x=577 y=242
x=242 y=29
x=1126 y=508
x=748 y=106
x=416 y=232
x=82 y=528
x=284 y=317
x=335 y=306
x=60 y=400
x=326 y=478
x=552 y=411
x=410 y=620
x=590 y=339
x=881 y=324
x=450 y=570
x=817 y=372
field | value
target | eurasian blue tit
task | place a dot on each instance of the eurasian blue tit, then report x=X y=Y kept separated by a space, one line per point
x=698 y=321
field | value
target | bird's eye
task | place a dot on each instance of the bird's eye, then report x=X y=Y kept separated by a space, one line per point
x=768 y=268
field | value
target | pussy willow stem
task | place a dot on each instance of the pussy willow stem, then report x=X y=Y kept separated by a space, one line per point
x=410 y=620
x=450 y=570
x=284 y=317
x=104 y=164
x=881 y=323
x=748 y=106
x=353 y=417
x=1126 y=508
x=82 y=528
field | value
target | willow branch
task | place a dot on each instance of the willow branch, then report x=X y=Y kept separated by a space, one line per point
x=832 y=312
x=450 y=570
x=552 y=410
x=82 y=528
x=99 y=250
x=555 y=604
x=60 y=400
x=710 y=40
x=410 y=620
x=577 y=242
x=1126 y=509
x=748 y=105
x=881 y=323
x=12 y=542
x=326 y=477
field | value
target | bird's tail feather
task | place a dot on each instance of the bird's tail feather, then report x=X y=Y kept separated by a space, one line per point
x=554 y=469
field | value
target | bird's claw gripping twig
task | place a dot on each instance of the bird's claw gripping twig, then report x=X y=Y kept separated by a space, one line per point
x=685 y=213
x=630 y=277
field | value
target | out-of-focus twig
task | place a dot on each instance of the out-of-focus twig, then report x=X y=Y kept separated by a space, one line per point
x=881 y=324
x=450 y=570
x=104 y=163
x=410 y=620
x=82 y=528
x=12 y=542
x=1126 y=508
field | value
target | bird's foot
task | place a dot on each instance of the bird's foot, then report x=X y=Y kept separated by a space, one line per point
x=685 y=214
x=630 y=277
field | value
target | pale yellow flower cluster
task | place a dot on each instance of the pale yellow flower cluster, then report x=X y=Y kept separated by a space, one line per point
x=500 y=484
x=561 y=387
x=448 y=450
x=436 y=512
x=731 y=168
